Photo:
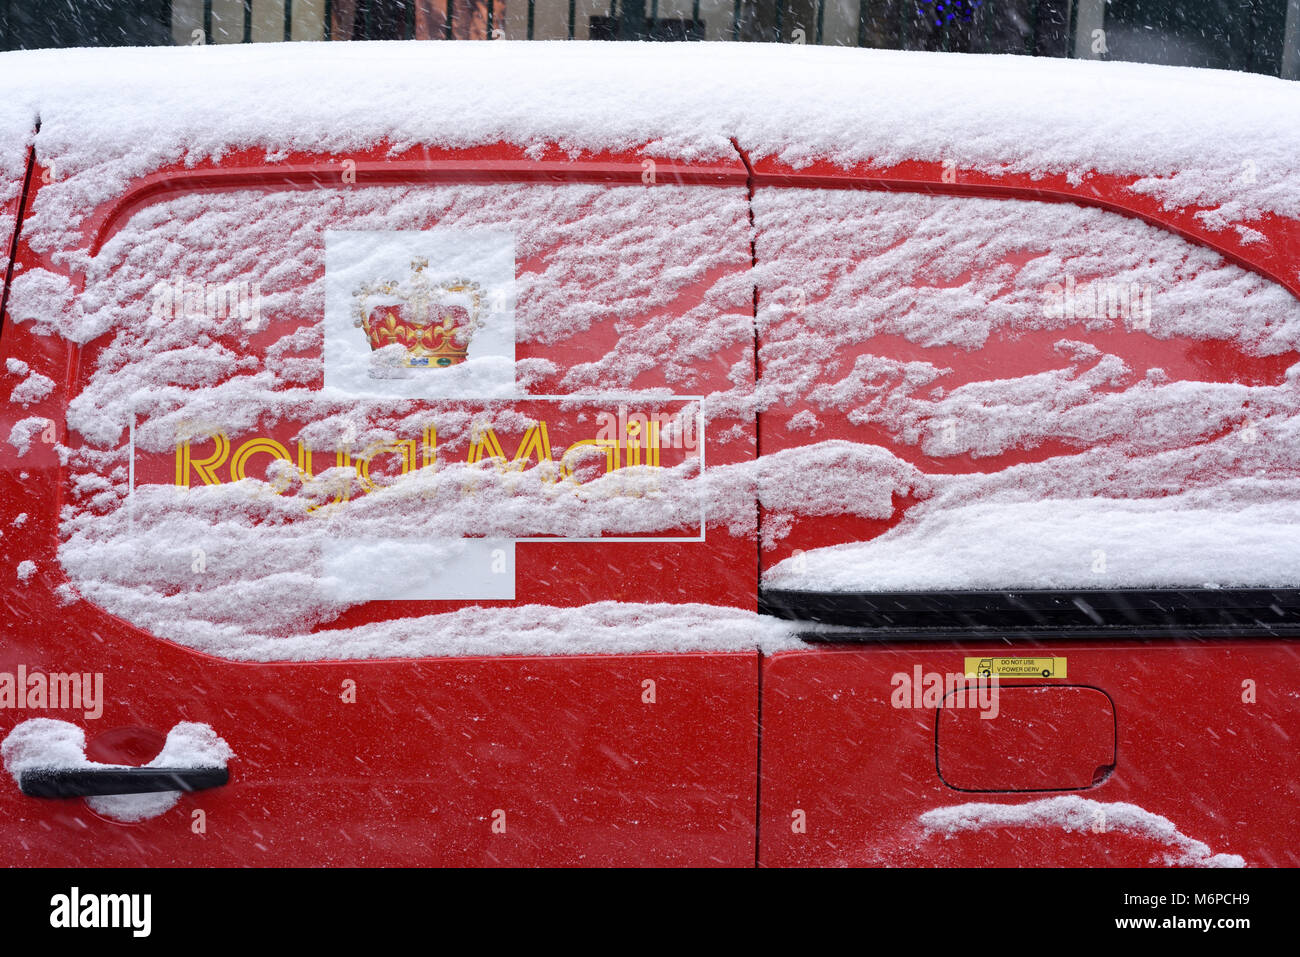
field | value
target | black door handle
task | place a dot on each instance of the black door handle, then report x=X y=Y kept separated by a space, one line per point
x=90 y=782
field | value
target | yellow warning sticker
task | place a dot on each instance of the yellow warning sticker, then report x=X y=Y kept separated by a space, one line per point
x=1016 y=667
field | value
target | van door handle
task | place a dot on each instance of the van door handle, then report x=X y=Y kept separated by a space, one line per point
x=91 y=782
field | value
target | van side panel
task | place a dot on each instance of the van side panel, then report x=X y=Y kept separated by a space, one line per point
x=855 y=377
x=1204 y=773
x=559 y=759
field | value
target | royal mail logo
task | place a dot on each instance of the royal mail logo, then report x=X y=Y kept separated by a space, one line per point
x=420 y=314
x=432 y=322
x=431 y=507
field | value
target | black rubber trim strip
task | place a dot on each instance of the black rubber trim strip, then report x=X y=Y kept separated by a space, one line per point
x=1081 y=613
x=18 y=227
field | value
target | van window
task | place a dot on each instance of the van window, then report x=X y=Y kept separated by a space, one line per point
x=293 y=404
x=1016 y=394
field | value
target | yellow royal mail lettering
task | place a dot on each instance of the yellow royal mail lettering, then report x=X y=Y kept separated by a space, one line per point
x=613 y=457
x=639 y=446
x=405 y=448
x=341 y=460
x=254 y=447
x=650 y=432
x=206 y=467
x=484 y=444
x=536 y=443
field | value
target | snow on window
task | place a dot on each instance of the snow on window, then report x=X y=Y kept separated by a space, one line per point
x=227 y=494
x=33 y=388
x=1075 y=398
x=24 y=431
x=588 y=255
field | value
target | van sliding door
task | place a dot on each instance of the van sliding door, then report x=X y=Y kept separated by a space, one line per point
x=1033 y=485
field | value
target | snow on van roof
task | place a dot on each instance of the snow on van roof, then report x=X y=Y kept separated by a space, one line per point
x=1197 y=137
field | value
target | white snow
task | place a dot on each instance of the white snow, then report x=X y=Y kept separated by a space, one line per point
x=589 y=256
x=32 y=389
x=106 y=117
x=912 y=315
x=48 y=299
x=24 y=430
x=47 y=743
x=26 y=569
x=1077 y=814
x=17 y=126
x=877 y=309
x=1194 y=540
x=607 y=627
x=595 y=255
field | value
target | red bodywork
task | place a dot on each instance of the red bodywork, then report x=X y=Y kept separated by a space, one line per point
x=1186 y=745
x=565 y=749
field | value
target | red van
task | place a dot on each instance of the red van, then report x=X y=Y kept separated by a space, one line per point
x=792 y=457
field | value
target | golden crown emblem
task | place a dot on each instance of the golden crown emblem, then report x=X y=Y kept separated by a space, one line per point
x=433 y=321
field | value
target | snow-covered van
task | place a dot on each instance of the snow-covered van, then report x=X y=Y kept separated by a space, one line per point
x=643 y=454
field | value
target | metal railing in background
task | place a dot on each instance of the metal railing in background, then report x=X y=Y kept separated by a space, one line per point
x=1262 y=36
x=879 y=23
